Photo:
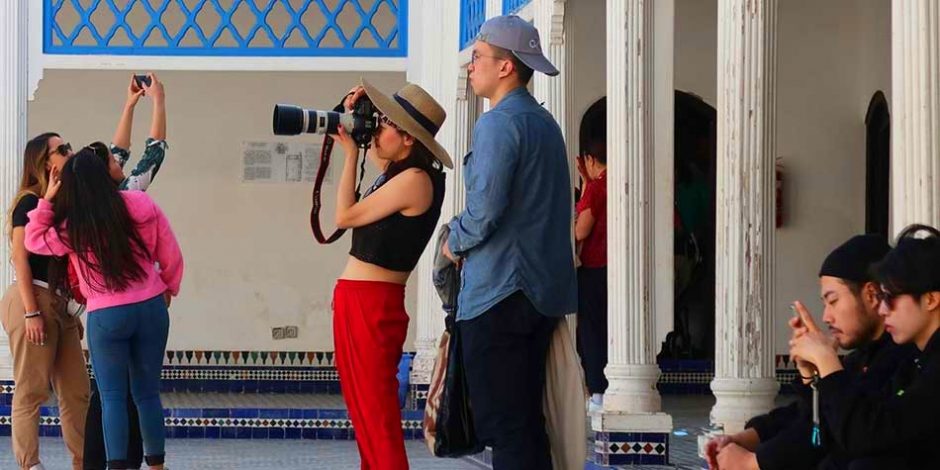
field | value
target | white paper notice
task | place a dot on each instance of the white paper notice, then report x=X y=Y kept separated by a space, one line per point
x=282 y=162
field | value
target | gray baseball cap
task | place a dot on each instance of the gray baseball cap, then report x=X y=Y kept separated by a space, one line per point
x=519 y=36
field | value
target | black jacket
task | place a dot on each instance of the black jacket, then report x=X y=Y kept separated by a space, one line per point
x=903 y=421
x=785 y=432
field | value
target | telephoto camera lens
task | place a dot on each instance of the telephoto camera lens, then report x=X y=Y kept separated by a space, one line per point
x=361 y=124
x=294 y=120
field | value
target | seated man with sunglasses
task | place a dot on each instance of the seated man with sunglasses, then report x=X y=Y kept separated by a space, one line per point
x=784 y=438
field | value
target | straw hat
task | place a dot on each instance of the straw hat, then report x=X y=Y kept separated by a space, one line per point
x=415 y=112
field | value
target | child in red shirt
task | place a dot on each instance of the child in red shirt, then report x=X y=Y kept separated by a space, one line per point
x=591 y=236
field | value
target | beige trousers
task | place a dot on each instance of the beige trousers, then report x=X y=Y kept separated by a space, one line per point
x=59 y=362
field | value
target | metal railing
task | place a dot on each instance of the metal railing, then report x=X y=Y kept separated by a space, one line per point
x=231 y=28
x=513 y=6
x=472 y=17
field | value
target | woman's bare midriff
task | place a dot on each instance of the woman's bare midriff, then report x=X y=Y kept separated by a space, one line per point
x=357 y=270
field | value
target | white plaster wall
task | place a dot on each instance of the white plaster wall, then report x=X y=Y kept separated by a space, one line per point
x=696 y=55
x=251 y=260
x=832 y=57
x=587 y=37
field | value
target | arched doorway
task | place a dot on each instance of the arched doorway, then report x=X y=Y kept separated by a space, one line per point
x=593 y=126
x=878 y=165
x=694 y=230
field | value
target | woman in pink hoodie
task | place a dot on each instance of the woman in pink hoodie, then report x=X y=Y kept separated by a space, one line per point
x=129 y=266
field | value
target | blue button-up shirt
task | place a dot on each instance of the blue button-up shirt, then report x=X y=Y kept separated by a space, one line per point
x=515 y=233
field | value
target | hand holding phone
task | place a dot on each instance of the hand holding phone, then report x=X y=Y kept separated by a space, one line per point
x=802 y=318
x=142 y=80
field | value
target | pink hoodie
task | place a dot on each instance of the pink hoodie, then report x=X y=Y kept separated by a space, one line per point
x=155 y=231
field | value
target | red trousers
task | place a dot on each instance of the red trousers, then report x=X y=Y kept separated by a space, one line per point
x=369 y=329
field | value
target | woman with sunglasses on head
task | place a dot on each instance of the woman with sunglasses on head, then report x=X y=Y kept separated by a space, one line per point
x=155 y=146
x=116 y=157
x=114 y=239
x=905 y=422
x=45 y=341
x=392 y=225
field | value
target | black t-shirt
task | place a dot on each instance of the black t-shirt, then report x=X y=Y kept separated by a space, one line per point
x=37 y=263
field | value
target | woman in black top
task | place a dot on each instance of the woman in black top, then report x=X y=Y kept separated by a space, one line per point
x=391 y=226
x=45 y=339
x=904 y=422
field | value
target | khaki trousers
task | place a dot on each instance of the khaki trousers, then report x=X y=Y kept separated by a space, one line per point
x=60 y=362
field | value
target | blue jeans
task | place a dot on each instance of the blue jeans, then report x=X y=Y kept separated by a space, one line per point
x=129 y=340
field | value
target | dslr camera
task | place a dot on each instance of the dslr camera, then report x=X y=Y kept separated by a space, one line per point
x=361 y=123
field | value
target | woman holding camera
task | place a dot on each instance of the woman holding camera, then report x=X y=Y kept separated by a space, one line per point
x=391 y=225
x=114 y=239
x=905 y=423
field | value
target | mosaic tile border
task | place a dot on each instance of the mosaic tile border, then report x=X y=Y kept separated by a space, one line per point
x=326 y=381
x=197 y=357
x=417 y=396
x=275 y=359
x=623 y=448
x=196 y=379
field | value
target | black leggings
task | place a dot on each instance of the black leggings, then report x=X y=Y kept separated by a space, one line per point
x=95 y=458
x=592 y=326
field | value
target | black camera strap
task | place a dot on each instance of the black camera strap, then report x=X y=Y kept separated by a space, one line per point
x=325 y=153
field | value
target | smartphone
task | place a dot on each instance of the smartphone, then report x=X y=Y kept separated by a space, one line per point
x=796 y=315
x=142 y=80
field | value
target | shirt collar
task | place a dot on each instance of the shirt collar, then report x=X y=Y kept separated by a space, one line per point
x=933 y=346
x=512 y=95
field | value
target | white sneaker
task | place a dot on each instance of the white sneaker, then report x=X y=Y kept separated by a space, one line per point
x=38 y=466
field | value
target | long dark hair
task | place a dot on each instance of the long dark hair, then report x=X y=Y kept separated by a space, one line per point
x=419 y=157
x=100 y=229
x=913 y=266
x=35 y=176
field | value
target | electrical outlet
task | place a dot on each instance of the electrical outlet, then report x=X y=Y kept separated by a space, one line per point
x=284 y=332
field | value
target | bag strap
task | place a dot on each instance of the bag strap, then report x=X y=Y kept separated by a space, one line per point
x=325 y=153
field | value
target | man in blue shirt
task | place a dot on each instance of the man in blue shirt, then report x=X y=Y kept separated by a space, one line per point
x=514 y=244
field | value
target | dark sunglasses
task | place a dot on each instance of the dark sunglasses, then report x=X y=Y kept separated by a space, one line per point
x=62 y=149
x=888 y=298
x=100 y=149
x=388 y=122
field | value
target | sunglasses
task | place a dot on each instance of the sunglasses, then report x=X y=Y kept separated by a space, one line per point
x=63 y=149
x=100 y=149
x=388 y=122
x=888 y=298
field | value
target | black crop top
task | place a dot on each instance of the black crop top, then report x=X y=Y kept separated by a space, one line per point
x=397 y=241
x=38 y=264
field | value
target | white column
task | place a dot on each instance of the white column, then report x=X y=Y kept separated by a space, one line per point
x=745 y=382
x=494 y=8
x=13 y=95
x=915 y=113
x=550 y=22
x=465 y=116
x=664 y=128
x=632 y=403
x=427 y=48
x=430 y=314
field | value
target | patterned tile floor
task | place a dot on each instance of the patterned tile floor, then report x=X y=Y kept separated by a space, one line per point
x=193 y=454
x=689 y=412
